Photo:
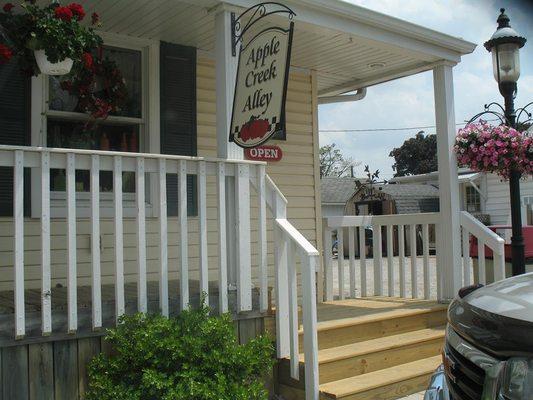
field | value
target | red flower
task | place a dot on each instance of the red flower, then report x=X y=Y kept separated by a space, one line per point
x=5 y=54
x=87 y=59
x=77 y=10
x=95 y=18
x=63 y=13
x=8 y=7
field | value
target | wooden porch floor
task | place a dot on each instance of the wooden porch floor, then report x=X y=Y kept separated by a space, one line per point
x=59 y=308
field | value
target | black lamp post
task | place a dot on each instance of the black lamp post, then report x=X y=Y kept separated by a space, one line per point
x=505 y=46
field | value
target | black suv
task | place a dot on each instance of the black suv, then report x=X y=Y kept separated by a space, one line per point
x=488 y=353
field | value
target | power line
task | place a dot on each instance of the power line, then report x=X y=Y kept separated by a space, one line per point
x=369 y=130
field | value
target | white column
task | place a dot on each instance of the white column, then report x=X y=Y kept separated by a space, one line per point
x=226 y=69
x=449 y=236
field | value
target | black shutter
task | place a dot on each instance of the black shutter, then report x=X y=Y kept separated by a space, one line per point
x=14 y=130
x=178 y=116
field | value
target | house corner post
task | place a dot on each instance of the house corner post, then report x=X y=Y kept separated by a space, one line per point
x=449 y=243
x=226 y=68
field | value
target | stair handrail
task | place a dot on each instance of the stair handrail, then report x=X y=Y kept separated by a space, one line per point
x=485 y=237
x=287 y=238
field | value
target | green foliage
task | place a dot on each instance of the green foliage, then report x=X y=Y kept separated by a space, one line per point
x=39 y=28
x=415 y=156
x=190 y=357
x=334 y=163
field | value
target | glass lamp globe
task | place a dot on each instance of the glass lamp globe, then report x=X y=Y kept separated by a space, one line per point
x=505 y=46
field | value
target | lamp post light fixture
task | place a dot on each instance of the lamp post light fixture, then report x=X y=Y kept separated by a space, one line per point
x=505 y=46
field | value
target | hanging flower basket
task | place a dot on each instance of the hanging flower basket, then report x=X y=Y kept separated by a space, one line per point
x=48 y=68
x=499 y=150
x=49 y=40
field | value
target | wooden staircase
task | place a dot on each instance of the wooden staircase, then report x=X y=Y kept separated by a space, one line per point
x=385 y=353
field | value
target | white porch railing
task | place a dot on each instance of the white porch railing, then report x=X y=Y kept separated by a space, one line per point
x=289 y=243
x=393 y=242
x=485 y=238
x=406 y=235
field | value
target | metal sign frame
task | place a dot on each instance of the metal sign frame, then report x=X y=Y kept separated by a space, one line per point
x=257 y=13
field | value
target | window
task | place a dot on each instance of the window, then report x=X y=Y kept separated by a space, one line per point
x=473 y=199
x=67 y=125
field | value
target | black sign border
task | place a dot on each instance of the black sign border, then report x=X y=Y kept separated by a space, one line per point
x=281 y=134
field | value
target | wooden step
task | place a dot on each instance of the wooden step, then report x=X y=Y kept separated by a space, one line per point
x=346 y=331
x=359 y=358
x=389 y=383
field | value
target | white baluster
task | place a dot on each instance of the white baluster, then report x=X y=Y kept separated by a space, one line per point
x=390 y=260
x=119 y=237
x=222 y=251
x=482 y=274
x=425 y=249
x=244 y=262
x=282 y=293
x=184 y=242
x=263 y=264
x=340 y=261
x=72 y=288
x=202 y=227
x=466 y=257
x=18 y=214
x=310 y=326
x=328 y=268
x=351 y=254
x=142 y=300
x=163 y=238
x=378 y=263
x=96 y=290
x=362 y=260
x=414 y=267
x=46 y=289
x=401 y=255
x=293 y=311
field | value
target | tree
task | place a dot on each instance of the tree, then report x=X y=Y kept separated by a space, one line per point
x=415 y=156
x=333 y=162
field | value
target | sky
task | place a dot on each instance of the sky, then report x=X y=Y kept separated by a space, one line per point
x=409 y=102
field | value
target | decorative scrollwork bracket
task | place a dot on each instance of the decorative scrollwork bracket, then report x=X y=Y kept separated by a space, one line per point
x=256 y=13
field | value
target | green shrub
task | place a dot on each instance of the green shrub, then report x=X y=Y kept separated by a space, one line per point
x=190 y=357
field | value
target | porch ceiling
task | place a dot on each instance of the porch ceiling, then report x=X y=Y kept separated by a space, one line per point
x=338 y=40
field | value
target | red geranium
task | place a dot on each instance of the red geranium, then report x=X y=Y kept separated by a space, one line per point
x=5 y=54
x=95 y=18
x=8 y=7
x=87 y=60
x=63 y=13
x=77 y=11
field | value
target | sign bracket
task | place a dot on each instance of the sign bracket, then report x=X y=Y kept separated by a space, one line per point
x=256 y=13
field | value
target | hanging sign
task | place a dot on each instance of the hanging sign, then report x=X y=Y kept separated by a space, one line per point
x=261 y=82
x=263 y=153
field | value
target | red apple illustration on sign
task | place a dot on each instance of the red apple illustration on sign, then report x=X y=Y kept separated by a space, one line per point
x=254 y=129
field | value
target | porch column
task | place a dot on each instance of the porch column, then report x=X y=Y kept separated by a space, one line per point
x=449 y=238
x=237 y=206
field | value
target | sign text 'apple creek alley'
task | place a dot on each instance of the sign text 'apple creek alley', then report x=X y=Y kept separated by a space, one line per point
x=263 y=59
